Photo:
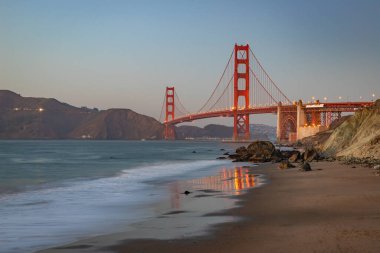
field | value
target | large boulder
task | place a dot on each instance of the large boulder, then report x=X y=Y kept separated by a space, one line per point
x=241 y=155
x=261 y=151
x=241 y=150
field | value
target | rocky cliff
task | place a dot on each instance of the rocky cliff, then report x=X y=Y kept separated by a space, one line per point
x=47 y=118
x=358 y=136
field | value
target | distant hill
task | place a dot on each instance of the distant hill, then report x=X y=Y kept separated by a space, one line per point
x=47 y=118
x=258 y=132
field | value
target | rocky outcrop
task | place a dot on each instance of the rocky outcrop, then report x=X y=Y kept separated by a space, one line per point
x=358 y=136
x=265 y=151
x=257 y=151
x=261 y=151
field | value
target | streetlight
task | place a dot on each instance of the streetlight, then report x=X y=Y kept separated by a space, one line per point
x=325 y=98
x=373 y=96
x=340 y=97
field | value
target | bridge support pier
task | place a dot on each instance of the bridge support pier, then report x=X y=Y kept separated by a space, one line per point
x=286 y=124
x=301 y=119
x=279 y=120
x=169 y=132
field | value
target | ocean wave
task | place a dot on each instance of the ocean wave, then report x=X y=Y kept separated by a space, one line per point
x=168 y=169
x=52 y=214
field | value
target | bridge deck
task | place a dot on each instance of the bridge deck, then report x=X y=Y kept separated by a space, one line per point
x=336 y=107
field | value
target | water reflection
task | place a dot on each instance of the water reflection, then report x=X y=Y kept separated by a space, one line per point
x=231 y=181
x=228 y=180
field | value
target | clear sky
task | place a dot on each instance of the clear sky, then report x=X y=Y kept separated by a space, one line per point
x=110 y=53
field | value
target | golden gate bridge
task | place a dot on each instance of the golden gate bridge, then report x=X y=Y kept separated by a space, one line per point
x=245 y=88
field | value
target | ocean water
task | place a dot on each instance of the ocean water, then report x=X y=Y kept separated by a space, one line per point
x=55 y=192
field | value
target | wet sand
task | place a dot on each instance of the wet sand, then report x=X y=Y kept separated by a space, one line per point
x=334 y=208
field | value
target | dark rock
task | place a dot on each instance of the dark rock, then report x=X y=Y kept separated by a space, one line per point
x=287 y=154
x=294 y=157
x=261 y=150
x=186 y=192
x=310 y=154
x=227 y=153
x=257 y=159
x=222 y=149
x=257 y=152
x=194 y=152
x=353 y=167
x=221 y=158
x=233 y=156
x=241 y=150
x=285 y=164
x=276 y=159
x=305 y=167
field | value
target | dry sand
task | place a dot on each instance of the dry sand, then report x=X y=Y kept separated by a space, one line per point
x=334 y=208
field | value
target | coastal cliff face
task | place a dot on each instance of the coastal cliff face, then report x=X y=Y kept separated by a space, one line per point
x=358 y=136
x=47 y=118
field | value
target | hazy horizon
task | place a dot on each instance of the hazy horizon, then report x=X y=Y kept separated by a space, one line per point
x=122 y=54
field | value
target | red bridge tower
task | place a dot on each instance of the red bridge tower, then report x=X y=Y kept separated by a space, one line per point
x=241 y=90
x=169 y=113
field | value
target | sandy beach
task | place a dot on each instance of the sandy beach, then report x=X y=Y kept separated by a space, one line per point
x=334 y=208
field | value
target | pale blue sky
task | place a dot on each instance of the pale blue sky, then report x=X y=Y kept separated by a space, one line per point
x=109 y=53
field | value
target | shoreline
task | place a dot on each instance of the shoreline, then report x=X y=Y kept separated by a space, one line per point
x=334 y=208
x=182 y=215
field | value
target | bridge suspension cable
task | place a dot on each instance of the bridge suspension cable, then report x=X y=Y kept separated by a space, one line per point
x=162 y=109
x=265 y=80
x=220 y=88
x=180 y=110
x=228 y=87
x=262 y=89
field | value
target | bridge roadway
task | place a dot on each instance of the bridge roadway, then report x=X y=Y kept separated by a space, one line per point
x=323 y=107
